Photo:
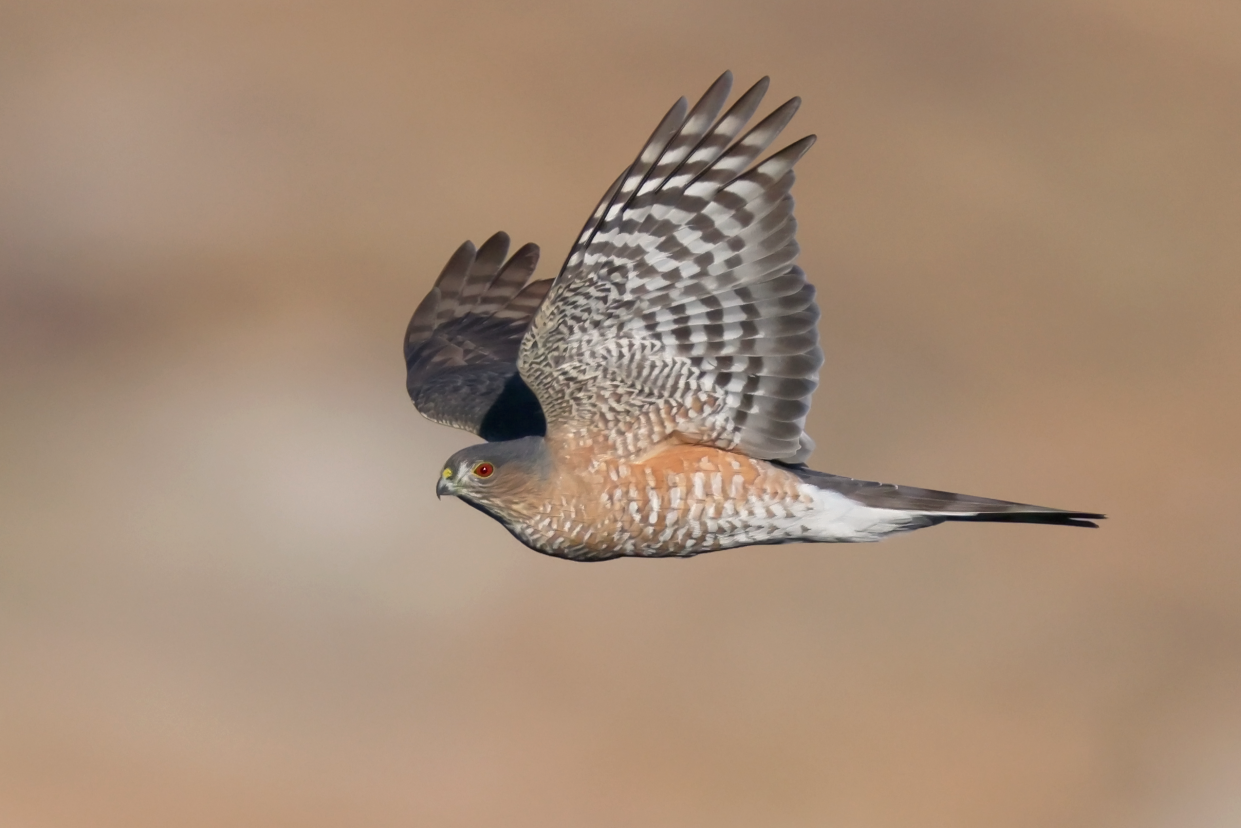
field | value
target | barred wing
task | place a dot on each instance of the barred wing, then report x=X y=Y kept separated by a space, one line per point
x=461 y=344
x=679 y=312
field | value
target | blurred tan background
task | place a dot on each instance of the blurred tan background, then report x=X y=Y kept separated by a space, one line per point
x=228 y=596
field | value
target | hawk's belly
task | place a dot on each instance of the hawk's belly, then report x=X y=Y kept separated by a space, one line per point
x=681 y=501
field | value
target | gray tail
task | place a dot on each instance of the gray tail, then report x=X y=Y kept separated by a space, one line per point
x=941 y=506
x=1035 y=514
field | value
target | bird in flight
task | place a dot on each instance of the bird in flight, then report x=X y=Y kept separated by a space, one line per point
x=650 y=401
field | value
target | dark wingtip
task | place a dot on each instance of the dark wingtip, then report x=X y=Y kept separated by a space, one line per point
x=529 y=252
x=800 y=147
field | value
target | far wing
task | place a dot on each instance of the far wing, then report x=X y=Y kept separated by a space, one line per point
x=461 y=344
x=680 y=313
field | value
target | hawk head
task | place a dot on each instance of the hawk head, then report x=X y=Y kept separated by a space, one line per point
x=493 y=476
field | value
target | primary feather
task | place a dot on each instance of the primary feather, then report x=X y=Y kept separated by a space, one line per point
x=461 y=344
x=686 y=268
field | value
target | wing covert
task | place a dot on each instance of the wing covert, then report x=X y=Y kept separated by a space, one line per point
x=679 y=311
x=461 y=344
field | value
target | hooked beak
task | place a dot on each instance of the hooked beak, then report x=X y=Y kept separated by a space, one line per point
x=443 y=487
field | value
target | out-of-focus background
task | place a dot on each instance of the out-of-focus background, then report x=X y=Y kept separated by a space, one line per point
x=228 y=596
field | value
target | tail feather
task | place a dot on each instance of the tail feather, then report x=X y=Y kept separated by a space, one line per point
x=940 y=506
x=1054 y=517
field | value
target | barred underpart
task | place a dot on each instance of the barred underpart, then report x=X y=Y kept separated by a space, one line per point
x=461 y=344
x=680 y=312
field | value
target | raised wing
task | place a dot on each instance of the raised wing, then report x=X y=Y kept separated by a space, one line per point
x=461 y=344
x=679 y=312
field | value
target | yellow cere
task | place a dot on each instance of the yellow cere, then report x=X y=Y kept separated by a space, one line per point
x=447 y=473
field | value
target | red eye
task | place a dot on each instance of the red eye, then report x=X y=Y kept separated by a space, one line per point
x=484 y=469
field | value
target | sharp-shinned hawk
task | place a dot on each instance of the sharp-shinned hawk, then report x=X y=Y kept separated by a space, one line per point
x=650 y=400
